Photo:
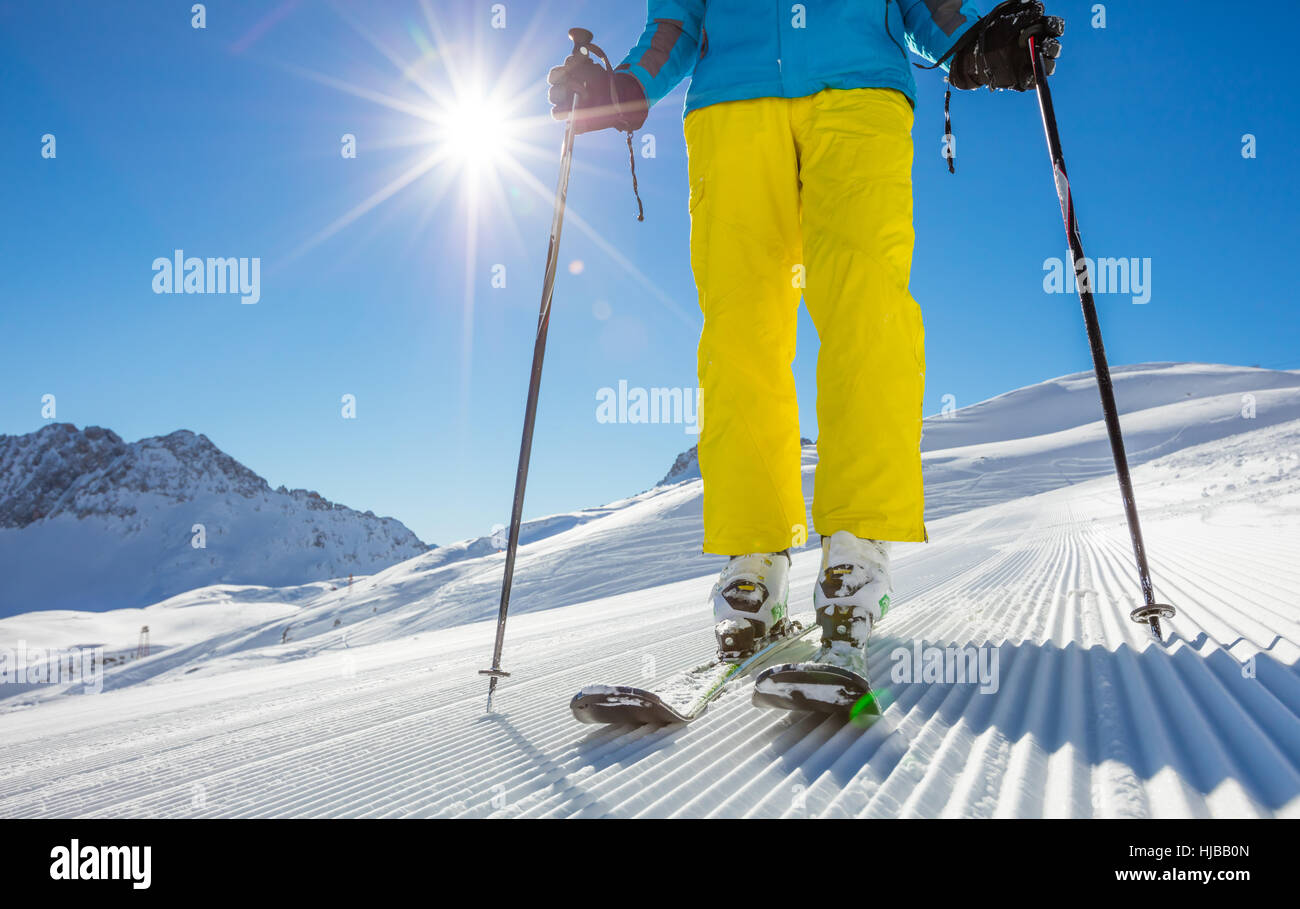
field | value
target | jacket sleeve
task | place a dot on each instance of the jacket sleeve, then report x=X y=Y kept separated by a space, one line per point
x=668 y=48
x=934 y=26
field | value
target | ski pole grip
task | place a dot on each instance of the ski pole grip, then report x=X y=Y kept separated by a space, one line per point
x=580 y=38
x=1032 y=31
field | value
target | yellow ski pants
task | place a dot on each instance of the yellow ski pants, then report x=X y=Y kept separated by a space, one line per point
x=807 y=197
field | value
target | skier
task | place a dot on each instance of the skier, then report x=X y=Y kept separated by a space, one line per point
x=798 y=131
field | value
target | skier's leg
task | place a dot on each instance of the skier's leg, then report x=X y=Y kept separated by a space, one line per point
x=744 y=248
x=855 y=165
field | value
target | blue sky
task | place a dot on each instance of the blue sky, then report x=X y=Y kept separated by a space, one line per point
x=225 y=141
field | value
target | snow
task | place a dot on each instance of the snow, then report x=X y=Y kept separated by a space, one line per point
x=370 y=703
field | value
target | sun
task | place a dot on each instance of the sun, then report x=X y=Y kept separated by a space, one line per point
x=474 y=130
x=477 y=132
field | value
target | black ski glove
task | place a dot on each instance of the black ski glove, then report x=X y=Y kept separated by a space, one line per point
x=994 y=52
x=605 y=99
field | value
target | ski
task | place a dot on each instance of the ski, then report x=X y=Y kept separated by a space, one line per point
x=819 y=687
x=684 y=697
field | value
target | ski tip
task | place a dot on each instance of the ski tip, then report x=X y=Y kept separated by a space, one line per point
x=612 y=705
x=815 y=688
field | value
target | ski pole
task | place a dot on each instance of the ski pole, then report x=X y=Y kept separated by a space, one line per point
x=581 y=40
x=1150 y=612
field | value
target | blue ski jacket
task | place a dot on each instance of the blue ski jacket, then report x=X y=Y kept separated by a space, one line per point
x=738 y=49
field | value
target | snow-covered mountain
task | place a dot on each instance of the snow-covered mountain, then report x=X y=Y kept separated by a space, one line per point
x=90 y=522
x=685 y=467
x=307 y=700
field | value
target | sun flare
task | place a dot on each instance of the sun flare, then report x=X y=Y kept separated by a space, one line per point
x=477 y=132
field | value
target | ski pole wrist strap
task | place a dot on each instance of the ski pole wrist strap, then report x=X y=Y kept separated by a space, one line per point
x=627 y=121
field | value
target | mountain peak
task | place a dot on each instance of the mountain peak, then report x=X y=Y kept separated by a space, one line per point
x=687 y=465
x=134 y=509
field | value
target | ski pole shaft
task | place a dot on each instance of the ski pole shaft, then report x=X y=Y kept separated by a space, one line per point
x=581 y=38
x=1150 y=612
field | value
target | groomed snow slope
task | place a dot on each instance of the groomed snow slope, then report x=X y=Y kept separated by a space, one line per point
x=1089 y=717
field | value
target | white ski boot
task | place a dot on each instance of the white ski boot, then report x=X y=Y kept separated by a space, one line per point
x=851 y=595
x=750 y=603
